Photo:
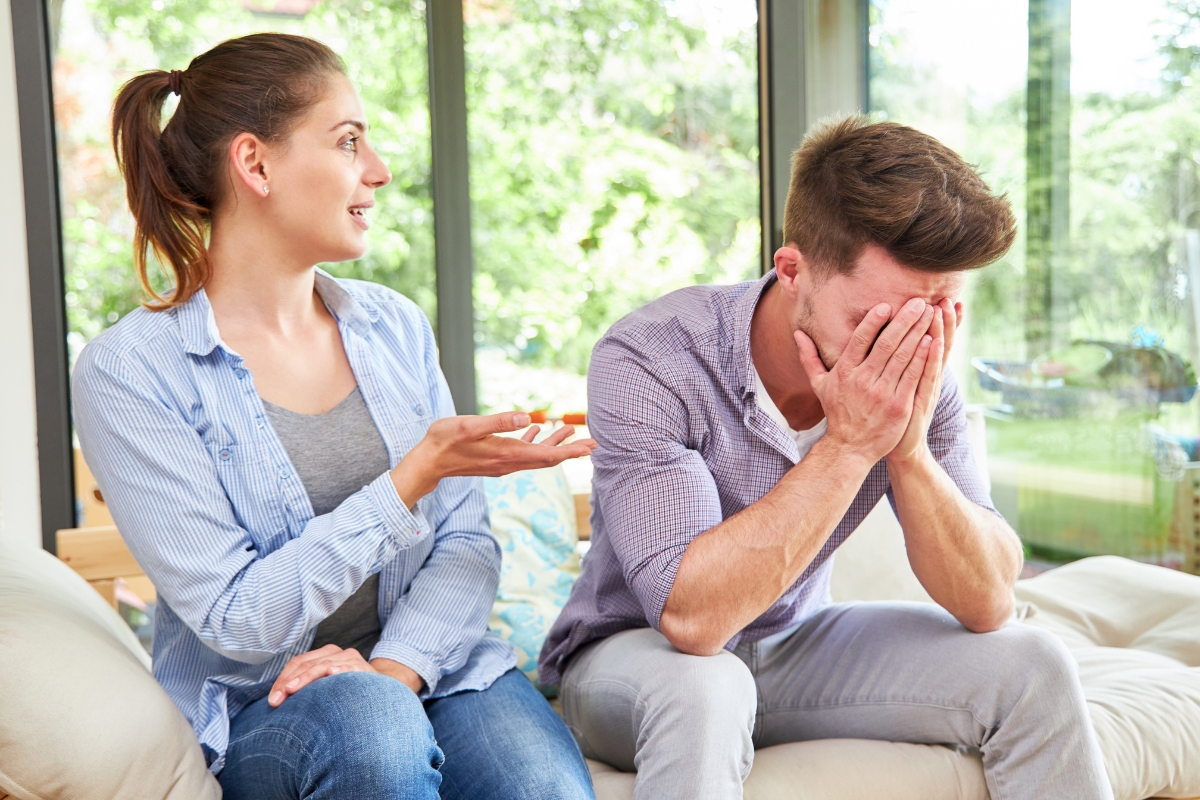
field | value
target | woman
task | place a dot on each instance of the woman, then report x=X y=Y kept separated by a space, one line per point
x=279 y=452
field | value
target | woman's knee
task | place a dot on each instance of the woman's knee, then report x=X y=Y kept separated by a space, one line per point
x=374 y=726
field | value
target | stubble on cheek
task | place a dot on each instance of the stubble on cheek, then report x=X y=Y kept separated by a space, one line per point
x=805 y=321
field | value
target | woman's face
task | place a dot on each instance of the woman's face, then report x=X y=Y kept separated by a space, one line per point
x=322 y=183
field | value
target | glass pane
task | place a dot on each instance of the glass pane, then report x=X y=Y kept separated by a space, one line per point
x=101 y=43
x=1081 y=340
x=614 y=158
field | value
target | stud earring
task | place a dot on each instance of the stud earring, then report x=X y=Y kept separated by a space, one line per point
x=266 y=190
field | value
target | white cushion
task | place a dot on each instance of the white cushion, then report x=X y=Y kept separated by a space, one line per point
x=840 y=769
x=1135 y=631
x=81 y=717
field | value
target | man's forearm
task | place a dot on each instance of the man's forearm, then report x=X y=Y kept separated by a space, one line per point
x=966 y=557
x=732 y=573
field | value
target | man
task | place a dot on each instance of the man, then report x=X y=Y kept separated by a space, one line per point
x=744 y=432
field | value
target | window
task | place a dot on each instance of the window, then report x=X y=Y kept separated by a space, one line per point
x=1080 y=342
x=614 y=158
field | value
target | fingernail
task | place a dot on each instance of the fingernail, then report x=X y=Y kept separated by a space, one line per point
x=915 y=302
x=293 y=682
x=275 y=698
x=927 y=339
x=521 y=420
x=883 y=310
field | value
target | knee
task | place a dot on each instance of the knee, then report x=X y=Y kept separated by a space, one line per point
x=704 y=690
x=1040 y=666
x=373 y=725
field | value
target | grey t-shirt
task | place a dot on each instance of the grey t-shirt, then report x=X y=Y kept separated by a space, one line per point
x=335 y=455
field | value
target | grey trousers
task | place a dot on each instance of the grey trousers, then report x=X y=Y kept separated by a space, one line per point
x=903 y=672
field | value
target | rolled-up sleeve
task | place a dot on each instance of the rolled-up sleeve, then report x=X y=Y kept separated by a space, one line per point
x=167 y=500
x=434 y=626
x=654 y=491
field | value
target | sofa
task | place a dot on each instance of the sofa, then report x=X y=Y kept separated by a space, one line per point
x=81 y=717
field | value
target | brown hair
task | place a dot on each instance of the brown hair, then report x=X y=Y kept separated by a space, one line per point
x=857 y=183
x=262 y=84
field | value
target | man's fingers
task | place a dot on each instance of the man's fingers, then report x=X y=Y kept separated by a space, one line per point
x=810 y=359
x=916 y=368
x=951 y=320
x=907 y=350
x=928 y=386
x=865 y=335
x=911 y=313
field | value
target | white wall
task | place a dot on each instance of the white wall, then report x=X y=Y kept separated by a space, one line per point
x=19 y=500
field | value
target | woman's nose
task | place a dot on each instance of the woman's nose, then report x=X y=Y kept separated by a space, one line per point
x=378 y=175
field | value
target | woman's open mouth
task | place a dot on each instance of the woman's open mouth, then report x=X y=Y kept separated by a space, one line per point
x=359 y=215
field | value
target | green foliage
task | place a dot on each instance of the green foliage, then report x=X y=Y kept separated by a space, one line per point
x=613 y=158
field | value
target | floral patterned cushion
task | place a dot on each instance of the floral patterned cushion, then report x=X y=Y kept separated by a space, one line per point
x=533 y=518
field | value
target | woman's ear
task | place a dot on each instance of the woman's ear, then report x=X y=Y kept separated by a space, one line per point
x=248 y=157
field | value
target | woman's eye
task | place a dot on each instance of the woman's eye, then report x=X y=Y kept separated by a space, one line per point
x=350 y=144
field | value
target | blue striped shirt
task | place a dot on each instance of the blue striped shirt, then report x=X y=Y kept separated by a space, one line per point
x=208 y=501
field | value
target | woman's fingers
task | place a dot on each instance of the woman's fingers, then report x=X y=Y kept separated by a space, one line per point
x=290 y=682
x=531 y=434
x=298 y=663
x=560 y=435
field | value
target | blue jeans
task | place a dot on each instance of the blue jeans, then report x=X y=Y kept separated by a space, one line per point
x=368 y=737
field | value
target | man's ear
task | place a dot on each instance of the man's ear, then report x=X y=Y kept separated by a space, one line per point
x=248 y=157
x=791 y=268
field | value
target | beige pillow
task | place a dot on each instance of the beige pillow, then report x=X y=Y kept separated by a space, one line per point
x=841 y=769
x=81 y=717
x=1135 y=631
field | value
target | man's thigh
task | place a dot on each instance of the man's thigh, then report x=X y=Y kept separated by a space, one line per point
x=898 y=671
x=633 y=694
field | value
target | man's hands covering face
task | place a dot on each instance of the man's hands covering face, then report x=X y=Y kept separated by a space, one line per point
x=946 y=319
x=880 y=395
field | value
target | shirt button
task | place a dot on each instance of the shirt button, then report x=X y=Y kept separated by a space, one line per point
x=241 y=373
x=225 y=454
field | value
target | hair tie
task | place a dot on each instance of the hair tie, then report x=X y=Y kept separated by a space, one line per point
x=174 y=80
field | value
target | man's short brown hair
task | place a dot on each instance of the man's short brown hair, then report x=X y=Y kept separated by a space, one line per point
x=856 y=183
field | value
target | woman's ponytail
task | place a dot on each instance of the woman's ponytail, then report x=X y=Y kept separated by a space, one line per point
x=261 y=84
x=168 y=218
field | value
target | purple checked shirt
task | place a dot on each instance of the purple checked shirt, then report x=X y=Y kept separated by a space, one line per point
x=683 y=446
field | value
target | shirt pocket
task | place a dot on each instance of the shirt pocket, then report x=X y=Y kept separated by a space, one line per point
x=251 y=486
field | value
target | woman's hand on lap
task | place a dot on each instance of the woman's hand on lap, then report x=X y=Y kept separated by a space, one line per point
x=458 y=446
x=308 y=667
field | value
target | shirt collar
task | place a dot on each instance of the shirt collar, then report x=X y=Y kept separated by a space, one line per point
x=743 y=315
x=198 y=326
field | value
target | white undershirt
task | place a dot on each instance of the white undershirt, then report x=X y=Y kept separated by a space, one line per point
x=804 y=443
x=804 y=439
